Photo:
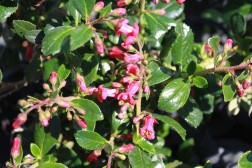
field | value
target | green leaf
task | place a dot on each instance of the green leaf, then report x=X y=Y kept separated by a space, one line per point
x=157 y=24
x=1 y=76
x=49 y=66
x=35 y=150
x=158 y=74
x=214 y=43
x=80 y=36
x=84 y=7
x=238 y=25
x=89 y=140
x=52 y=165
x=53 y=39
x=146 y=145
x=72 y=11
x=139 y=159
x=174 y=95
x=173 y=9
x=89 y=65
x=173 y=123
x=200 y=82
x=21 y=27
x=245 y=160
x=228 y=87
x=93 y=111
x=208 y=164
x=182 y=47
x=34 y=36
x=46 y=137
x=63 y=73
x=5 y=12
x=191 y=113
x=106 y=10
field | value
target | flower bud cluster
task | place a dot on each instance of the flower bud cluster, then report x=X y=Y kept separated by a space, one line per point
x=180 y=2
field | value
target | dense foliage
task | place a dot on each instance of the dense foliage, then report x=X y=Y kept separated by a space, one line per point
x=117 y=76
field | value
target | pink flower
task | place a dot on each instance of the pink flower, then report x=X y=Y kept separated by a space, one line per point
x=81 y=82
x=129 y=40
x=209 y=50
x=247 y=82
x=180 y=2
x=123 y=27
x=43 y=118
x=147 y=131
x=155 y=1
x=126 y=148
x=20 y=120
x=122 y=115
x=133 y=58
x=133 y=88
x=99 y=45
x=116 y=53
x=118 y=12
x=124 y=108
x=132 y=69
x=146 y=89
x=102 y=93
x=98 y=6
x=116 y=84
x=123 y=2
x=136 y=119
x=166 y=1
x=90 y=90
x=15 y=150
x=93 y=157
x=53 y=78
x=228 y=44
x=81 y=122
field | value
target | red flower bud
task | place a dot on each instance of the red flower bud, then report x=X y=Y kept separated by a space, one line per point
x=98 y=6
x=53 y=78
x=20 y=120
x=15 y=150
x=126 y=148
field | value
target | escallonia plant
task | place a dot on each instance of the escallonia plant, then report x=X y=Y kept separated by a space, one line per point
x=117 y=71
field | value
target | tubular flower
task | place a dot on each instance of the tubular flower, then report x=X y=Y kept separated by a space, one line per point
x=118 y=12
x=228 y=44
x=123 y=2
x=116 y=53
x=15 y=150
x=132 y=69
x=81 y=122
x=93 y=157
x=209 y=50
x=80 y=81
x=53 y=78
x=147 y=131
x=247 y=82
x=180 y=2
x=20 y=120
x=98 y=6
x=134 y=58
x=102 y=93
x=126 y=148
x=99 y=45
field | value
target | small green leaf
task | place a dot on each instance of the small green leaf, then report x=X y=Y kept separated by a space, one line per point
x=182 y=47
x=51 y=165
x=89 y=140
x=139 y=159
x=80 y=36
x=63 y=73
x=158 y=74
x=238 y=25
x=46 y=137
x=84 y=7
x=174 y=95
x=106 y=10
x=200 y=82
x=146 y=145
x=173 y=123
x=53 y=39
x=21 y=27
x=89 y=65
x=1 y=76
x=35 y=150
x=214 y=43
x=5 y=12
x=72 y=11
x=245 y=160
x=34 y=36
x=228 y=87
x=191 y=113
x=93 y=111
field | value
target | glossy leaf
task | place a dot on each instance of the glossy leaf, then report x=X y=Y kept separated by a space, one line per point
x=214 y=43
x=34 y=36
x=6 y=12
x=53 y=39
x=173 y=9
x=174 y=95
x=46 y=137
x=139 y=159
x=158 y=74
x=191 y=113
x=228 y=87
x=146 y=145
x=93 y=111
x=35 y=150
x=51 y=165
x=89 y=140
x=72 y=11
x=200 y=82
x=21 y=27
x=80 y=36
x=173 y=123
x=106 y=10
x=245 y=160
x=63 y=73
x=84 y=7
x=238 y=25
x=182 y=47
